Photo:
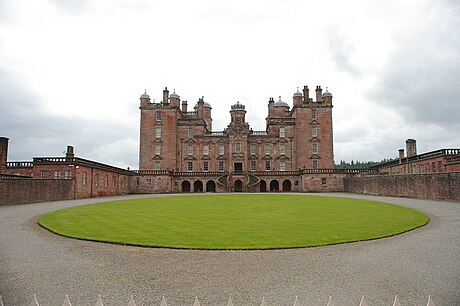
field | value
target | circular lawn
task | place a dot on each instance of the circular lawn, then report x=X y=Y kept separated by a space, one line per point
x=236 y=221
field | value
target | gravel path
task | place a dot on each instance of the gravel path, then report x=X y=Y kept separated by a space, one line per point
x=412 y=265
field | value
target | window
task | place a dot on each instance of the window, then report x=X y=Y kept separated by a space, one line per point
x=206 y=150
x=190 y=166
x=221 y=166
x=157 y=165
x=238 y=147
x=113 y=180
x=67 y=174
x=282 y=132
x=314 y=132
x=84 y=178
x=190 y=133
x=314 y=114
x=323 y=181
x=148 y=182
x=282 y=149
x=43 y=174
x=137 y=182
x=206 y=166
x=253 y=165
x=315 y=164
x=267 y=149
x=253 y=148
x=268 y=165
x=440 y=166
x=158 y=133
x=282 y=166
x=221 y=150
x=314 y=148
x=420 y=170
x=57 y=175
x=157 y=149
x=190 y=150
x=106 y=181
x=158 y=116
x=97 y=180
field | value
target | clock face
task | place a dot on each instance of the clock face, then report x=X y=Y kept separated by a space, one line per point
x=238 y=120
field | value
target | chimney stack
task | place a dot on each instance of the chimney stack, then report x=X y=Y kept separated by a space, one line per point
x=69 y=153
x=411 y=147
x=401 y=155
x=166 y=96
x=319 y=94
x=184 y=106
x=3 y=154
x=306 y=94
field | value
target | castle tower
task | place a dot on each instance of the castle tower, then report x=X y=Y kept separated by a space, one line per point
x=238 y=114
x=297 y=98
x=3 y=154
x=175 y=99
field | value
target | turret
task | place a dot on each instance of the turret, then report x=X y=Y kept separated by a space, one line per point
x=238 y=113
x=297 y=98
x=319 y=93
x=145 y=99
x=327 y=97
x=175 y=99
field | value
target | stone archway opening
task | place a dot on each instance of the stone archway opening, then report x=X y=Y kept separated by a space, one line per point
x=185 y=186
x=274 y=185
x=198 y=186
x=287 y=186
x=211 y=186
x=238 y=186
x=263 y=186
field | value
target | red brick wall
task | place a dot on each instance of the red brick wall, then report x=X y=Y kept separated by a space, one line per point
x=432 y=186
x=20 y=191
x=322 y=182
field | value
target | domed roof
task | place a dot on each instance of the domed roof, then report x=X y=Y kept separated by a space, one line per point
x=174 y=95
x=327 y=93
x=237 y=106
x=297 y=93
x=281 y=103
x=145 y=95
x=206 y=104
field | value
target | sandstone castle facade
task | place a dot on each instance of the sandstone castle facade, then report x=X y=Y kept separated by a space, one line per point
x=174 y=138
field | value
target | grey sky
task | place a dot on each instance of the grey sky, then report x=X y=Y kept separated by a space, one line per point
x=71 y=72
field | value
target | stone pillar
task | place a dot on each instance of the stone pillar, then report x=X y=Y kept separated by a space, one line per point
x=3 y=154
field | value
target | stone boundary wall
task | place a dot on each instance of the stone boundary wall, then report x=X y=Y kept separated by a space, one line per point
x=21 y=191
x=442 y=186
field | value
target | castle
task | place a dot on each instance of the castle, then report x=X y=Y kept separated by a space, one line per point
x=175 y=139
x=179 y=152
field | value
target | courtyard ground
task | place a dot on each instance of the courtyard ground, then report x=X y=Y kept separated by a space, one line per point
x=412 y=265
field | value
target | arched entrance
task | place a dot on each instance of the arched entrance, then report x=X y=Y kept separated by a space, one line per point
x=238 y=186
x=211 y=186
x=185 y=186
x=263 y=186
x=286 y=185
x=198 y=186
x=274 y=185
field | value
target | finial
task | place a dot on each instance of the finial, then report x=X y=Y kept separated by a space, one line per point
x=298 y=89
x=326 y=88
x=145 y=91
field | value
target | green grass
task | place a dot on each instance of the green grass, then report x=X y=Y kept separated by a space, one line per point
x=234 y=221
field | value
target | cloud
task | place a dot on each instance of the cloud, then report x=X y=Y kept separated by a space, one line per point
x=35 y=132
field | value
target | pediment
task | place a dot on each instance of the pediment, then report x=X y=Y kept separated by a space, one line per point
x=267 y=157
x=253 y=157
x=283 y=157
x=315 y=139
x=157 y=157
x=190 y=157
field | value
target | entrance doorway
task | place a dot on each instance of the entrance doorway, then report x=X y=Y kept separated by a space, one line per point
x=263 y=186
x=211 y=186
x=238 y=186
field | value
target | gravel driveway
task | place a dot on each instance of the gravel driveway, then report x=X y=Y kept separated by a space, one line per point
x=412 y=265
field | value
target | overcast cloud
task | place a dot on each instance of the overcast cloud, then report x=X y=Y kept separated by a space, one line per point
x=71 y=72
